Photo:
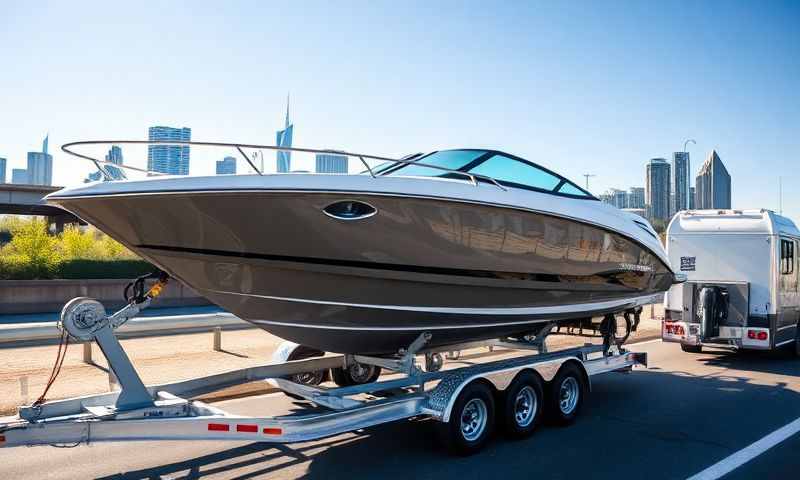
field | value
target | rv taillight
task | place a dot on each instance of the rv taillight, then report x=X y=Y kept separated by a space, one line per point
x=751 y=334
x=762 y=335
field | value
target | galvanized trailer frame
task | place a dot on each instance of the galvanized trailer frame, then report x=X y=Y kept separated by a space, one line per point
x=166 y=412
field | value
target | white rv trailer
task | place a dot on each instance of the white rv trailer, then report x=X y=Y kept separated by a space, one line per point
x=742 y=280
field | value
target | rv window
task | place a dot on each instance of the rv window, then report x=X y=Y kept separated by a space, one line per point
x=787 y=257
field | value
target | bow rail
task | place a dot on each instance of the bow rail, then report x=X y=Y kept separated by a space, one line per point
x=68 y=148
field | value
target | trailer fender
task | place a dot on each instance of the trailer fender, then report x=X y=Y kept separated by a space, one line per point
x=443 y=397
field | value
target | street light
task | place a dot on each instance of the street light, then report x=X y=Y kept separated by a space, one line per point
x=686 y=143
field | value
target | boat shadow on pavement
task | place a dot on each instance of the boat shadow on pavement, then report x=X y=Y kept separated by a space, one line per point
x=633 y=421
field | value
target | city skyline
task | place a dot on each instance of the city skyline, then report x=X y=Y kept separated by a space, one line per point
x=556 y=99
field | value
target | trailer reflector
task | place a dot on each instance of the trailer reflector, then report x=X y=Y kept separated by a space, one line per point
x=762 y=335
x=247 y=428
x=218 y=427
x=273 y=431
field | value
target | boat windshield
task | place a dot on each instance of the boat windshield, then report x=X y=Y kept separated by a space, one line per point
x=506 y=169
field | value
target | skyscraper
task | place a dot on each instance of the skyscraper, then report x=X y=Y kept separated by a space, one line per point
x=40 y=166
x=713 y=184
x=19 y=176
x=2 y=170
x=636 y=197
x=283 y=138
x=681 y=180
x=114 y=156
x=226 y=166
x=330 y=163
x=170 y=159
x=657 y=189
x=692 y=197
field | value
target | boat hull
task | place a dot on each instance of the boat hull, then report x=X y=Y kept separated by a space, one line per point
x=460 y=270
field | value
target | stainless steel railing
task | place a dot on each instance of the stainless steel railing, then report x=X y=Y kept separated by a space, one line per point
x=68 y=148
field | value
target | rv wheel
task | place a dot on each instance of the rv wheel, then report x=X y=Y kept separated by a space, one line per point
x=471 y=420
x=523 y=405
x=691 y=348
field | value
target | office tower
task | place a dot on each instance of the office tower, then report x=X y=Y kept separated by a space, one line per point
x=330 y=163
x=2 y=170
x=636 y=197
x=226 y=166
x=170 y=159
x=692 y=198
x=713 y=184
x=681 y=181
x=283 y=138
x=40 y=166
x=114 y=156
x=19 y=176
x=657 y=189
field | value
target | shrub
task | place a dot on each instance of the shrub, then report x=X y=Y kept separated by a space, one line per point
x=76 y=253
x=77 y=243
x=32 y=245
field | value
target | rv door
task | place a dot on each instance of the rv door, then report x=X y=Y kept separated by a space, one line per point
x=787 y=309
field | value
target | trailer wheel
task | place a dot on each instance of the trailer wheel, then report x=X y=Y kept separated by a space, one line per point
x=691 y=348
x=523 y=405
x=355 y=374
x=565 y=395
x=471 y=420
x=306 y=378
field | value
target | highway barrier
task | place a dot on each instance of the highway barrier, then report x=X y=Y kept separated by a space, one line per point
x=46 y=332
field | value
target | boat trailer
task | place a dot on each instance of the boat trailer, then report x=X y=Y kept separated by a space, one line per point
x=518 y=390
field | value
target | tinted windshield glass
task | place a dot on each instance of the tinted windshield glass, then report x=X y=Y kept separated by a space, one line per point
x=571 y=189
x=510 y=170
x=450 y=159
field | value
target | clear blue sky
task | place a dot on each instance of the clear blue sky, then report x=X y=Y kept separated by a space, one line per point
x=597 y=87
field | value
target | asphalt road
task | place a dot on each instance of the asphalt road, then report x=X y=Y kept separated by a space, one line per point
x=673 y=420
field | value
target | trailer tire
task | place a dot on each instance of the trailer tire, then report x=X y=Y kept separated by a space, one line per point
x=565 y=395
x=471 y=420
x=522 y=405
x=691 y=348
x=308 y=378
x=355 y=374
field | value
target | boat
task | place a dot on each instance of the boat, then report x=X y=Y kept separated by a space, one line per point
x=464 y=244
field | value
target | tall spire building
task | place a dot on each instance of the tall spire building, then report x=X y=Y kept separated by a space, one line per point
x=283 y=138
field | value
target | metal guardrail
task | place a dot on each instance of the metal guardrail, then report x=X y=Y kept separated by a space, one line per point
x=47 y=331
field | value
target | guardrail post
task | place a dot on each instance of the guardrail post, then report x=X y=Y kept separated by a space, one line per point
x=217 y=339
x=87 y=352
x=23 y=389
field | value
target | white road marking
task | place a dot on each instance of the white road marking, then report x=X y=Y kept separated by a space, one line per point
x=748 y=453
x=656 y=340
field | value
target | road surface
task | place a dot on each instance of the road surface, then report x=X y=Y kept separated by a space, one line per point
x=681 y=416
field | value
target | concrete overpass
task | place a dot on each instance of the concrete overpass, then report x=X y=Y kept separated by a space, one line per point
x=17 y=199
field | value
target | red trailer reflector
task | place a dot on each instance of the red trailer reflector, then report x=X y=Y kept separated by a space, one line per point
x=751 y=334
x=273 y=431
x=247 y=428
x=219 y=427
x=762 y=335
